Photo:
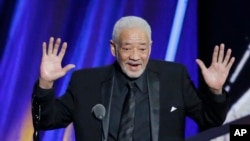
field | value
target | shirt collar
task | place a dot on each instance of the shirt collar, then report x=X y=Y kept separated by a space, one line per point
x=123 y=79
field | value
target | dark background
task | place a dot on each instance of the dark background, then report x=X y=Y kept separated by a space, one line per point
x=225 y=21
x=219 y=21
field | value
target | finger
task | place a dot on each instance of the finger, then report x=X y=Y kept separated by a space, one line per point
x=221 y=53
x=215 y=54
x=226 y=60
x=55 y=49
x=68 y=67
x=230 y=64
x=200 y=64
x=44 y=48
x=51 y=42
x=63 y=50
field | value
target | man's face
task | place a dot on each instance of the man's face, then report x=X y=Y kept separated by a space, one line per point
x=132 y=51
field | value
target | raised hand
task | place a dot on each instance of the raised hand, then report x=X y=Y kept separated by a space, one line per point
x=51 y=68
x=216 y=74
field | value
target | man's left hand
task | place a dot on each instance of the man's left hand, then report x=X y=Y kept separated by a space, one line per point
x=216 y=74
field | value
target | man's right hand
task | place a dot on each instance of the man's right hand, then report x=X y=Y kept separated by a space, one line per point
x=51 y=68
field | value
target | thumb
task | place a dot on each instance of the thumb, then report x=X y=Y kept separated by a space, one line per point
x=68 y=67
x=200 y=64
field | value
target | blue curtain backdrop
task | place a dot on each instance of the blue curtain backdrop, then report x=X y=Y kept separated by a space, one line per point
x=86 y=25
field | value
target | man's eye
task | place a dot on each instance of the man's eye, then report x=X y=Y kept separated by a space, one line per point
x=126 y=48
x=142 y=49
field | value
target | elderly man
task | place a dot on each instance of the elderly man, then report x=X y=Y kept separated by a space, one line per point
x=140 y=99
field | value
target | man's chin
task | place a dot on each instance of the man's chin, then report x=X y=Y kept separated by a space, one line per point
x=133 y=74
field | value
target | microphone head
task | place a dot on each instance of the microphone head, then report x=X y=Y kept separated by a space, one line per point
x=99 y=111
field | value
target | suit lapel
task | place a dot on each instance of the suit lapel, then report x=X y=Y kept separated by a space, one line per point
x=154 y=100
x=107 y=92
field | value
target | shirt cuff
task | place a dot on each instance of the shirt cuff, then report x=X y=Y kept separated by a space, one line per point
x=219 y=98
x=43 y=94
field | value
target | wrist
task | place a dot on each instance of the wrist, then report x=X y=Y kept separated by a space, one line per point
x=216 y=91
x=44 y=84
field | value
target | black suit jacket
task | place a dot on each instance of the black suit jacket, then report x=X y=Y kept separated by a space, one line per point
x=172 y=97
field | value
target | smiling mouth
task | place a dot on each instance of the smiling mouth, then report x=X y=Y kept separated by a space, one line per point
x=133 y=67
x=134 y=64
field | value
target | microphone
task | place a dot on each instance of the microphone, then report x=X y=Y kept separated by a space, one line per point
x=99 y=111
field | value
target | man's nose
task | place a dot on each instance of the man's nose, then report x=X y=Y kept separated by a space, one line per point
x=134 y=54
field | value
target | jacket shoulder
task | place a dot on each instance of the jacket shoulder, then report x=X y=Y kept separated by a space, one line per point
x=93 y=73
x=162 y=65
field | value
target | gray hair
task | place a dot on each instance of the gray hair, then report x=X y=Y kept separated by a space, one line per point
x=130 y=22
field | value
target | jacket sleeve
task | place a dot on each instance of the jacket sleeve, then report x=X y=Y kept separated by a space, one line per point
x=206 y=108
x=49 y=111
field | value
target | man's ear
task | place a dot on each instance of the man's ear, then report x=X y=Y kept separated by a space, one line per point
x=150 y=48
x=112 y=48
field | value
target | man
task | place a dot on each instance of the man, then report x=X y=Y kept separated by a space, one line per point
x=164 y=94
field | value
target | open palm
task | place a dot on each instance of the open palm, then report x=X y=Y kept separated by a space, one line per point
x=51 y=68
x=216 y=74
